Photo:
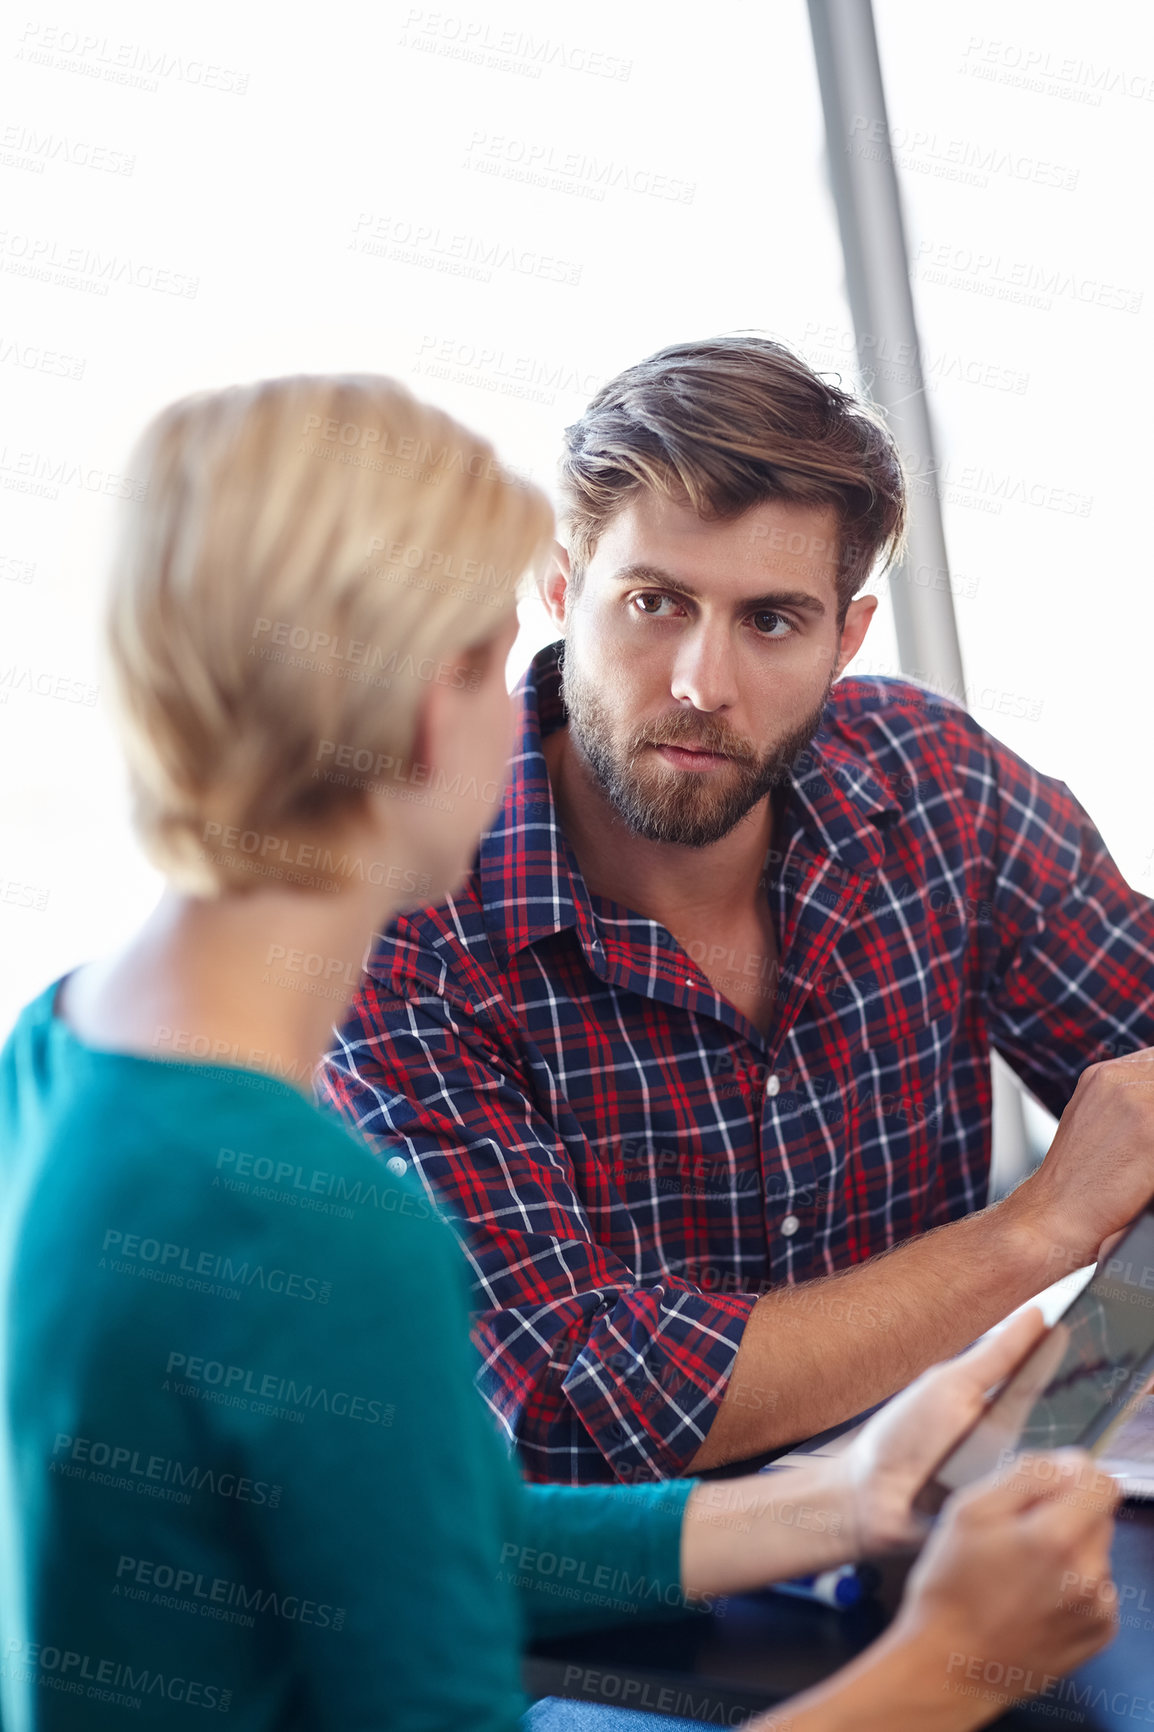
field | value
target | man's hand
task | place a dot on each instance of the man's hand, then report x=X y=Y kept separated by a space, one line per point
x=1099 y=1172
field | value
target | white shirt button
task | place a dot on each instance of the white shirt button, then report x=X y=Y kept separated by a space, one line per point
x=773 y=1086
x=397 y=1164
x=790 y=1226
x=689 y=984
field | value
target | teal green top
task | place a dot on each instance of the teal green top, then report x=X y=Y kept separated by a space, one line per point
x=243 y=1465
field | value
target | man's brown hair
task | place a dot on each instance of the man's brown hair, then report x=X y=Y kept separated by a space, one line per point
x=727 y=424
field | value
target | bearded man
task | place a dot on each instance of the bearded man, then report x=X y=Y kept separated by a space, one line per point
x=698 y=1064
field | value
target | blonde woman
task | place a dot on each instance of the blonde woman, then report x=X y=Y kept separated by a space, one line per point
x=243 y=1468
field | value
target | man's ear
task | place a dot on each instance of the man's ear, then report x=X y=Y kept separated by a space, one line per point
x=857 y=619
x=553 y=588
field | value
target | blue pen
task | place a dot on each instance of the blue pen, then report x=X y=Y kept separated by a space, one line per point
x=843 y=1587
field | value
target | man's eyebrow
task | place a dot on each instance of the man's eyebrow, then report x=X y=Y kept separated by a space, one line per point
x=774 y=598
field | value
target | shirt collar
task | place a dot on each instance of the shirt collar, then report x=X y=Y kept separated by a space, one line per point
x=837 y=797
x=531 y=884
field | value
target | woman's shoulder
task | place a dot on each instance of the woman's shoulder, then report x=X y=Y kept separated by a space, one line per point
x=280 y=1149
x=170 y=1151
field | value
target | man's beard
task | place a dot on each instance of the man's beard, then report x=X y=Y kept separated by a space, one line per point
x=696 y=807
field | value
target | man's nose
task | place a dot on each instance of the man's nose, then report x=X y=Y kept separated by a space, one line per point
x=704 y=673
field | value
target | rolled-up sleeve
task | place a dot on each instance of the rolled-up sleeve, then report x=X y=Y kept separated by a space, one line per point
x=575 y=1344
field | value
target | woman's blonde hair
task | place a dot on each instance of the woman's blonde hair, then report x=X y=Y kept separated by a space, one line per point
x=308 y=554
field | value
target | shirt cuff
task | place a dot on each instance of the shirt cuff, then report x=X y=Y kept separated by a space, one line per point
x=653 y=1372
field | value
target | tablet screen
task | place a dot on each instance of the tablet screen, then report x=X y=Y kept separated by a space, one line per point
x=1076 y=1379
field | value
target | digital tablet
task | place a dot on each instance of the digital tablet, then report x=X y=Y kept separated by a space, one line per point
x=1081 y=1380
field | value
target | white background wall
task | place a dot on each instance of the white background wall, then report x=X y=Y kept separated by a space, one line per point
x=506 y=206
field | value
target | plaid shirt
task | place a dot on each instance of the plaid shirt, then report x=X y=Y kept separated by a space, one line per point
x=629 y=1163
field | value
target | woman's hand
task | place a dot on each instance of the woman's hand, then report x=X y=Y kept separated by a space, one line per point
x=887 y=1465
x=745 y=1532
x=1012 y=1591
x=1016 y=1575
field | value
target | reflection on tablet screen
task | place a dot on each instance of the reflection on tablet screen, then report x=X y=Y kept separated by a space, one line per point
x=1079 y=1372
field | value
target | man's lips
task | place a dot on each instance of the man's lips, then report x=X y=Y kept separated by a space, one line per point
x=690 y=757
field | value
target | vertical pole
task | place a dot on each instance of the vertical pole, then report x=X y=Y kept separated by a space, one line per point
x=865 y=190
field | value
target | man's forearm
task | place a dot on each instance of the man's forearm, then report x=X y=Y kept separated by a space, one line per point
x=814 y=1355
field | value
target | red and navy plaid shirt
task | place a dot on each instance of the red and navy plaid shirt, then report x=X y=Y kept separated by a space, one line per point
x=629 y=1163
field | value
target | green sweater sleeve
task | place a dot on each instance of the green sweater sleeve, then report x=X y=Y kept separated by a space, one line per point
x=594 y=1555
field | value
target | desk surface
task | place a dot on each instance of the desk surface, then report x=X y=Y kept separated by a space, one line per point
x=761 y=1648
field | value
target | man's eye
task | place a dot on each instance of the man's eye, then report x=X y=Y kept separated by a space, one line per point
x=765 y=621
x=658 y=600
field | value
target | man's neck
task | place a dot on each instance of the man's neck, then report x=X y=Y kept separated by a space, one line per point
x=685 y=889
